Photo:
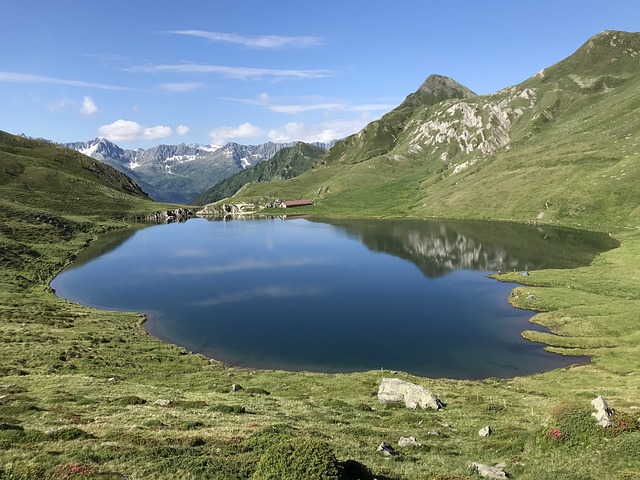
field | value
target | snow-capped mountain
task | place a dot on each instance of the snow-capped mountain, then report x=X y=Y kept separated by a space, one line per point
x=178 y=173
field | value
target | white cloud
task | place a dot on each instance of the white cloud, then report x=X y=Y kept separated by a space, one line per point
x=58 y=105
x=180 y=87
x=88 y=107
x=17 y=77
x=129 y=131
x=262 y=41
x=182 y=130
x=319 y=132
x=220 y=135
x=311 y=104
x=240 y=73
x=159 y=131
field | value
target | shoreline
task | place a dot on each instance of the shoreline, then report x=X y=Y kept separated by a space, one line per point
x=147 y=318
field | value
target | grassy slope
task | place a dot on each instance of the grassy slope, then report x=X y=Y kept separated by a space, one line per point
x=65 y=365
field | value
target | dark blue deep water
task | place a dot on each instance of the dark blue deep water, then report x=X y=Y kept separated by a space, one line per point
x=333 y=296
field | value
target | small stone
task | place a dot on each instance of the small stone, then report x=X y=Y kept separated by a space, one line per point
x=433 y=432
x=163 y=402
x=485 y=431
x=408 y=442
x=532 y=298
x=386 y=450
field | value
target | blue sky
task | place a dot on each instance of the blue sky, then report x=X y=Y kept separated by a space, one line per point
x=141 y=72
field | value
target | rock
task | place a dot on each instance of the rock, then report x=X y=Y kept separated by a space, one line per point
x=603 y=412
x=485 y=431
x=433 y=432
x=532 y=298
x=494 y=473
x=408 y=442
x=163 y=402
x=227 y=209
x=394 y=390
x=386 y=450
x=170 y=216
x=235 y=387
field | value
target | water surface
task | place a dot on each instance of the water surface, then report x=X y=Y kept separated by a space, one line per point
x=408 y=295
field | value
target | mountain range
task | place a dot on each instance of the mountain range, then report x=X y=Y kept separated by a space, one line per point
x=178 y=173
x=287 y=163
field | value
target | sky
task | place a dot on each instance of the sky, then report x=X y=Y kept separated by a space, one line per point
x=142 y=73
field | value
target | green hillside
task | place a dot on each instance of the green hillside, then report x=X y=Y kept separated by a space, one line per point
x=287 y=163
x=34 y=172
x=559 y=147
x=52 y=199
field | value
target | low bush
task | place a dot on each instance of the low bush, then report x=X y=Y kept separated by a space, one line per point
x=130 y=400
x=229 y=408
x=574 y=424
x=69 y=433
x=298 y=458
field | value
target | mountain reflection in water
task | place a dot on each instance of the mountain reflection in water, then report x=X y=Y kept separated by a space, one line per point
x=439 y=247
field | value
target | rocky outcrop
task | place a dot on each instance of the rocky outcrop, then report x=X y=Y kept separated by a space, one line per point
x=170 y=216
x=394 y=390
x=226 y=209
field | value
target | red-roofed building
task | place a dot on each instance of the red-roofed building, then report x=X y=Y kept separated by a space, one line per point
x=296 y=203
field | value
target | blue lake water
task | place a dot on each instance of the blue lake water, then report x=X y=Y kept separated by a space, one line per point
x=333 y=296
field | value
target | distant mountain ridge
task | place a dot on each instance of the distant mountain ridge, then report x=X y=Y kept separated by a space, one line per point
x=178 y=173
x=287 y=163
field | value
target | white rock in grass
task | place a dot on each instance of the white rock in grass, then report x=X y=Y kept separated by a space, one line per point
x=394 y=390
x=603 y=412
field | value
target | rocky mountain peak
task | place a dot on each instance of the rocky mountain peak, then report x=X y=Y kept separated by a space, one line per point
x=435 y=89
x=609 y=53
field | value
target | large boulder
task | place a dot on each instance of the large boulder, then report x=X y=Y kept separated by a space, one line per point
x=491 y=472
x=394 y=390
x=603 y=412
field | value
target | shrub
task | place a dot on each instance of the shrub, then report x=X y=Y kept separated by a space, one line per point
x=269 y=436
x=193 y=424
x=256 y=391
x=573 y=422
x=622 y=423
x=130 y=400
x=78 y=470
x=69 y=433
x=298 y=458
x=154 y=423
x=229 y=408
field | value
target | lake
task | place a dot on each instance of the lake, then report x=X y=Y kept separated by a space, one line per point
x=333 y=295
